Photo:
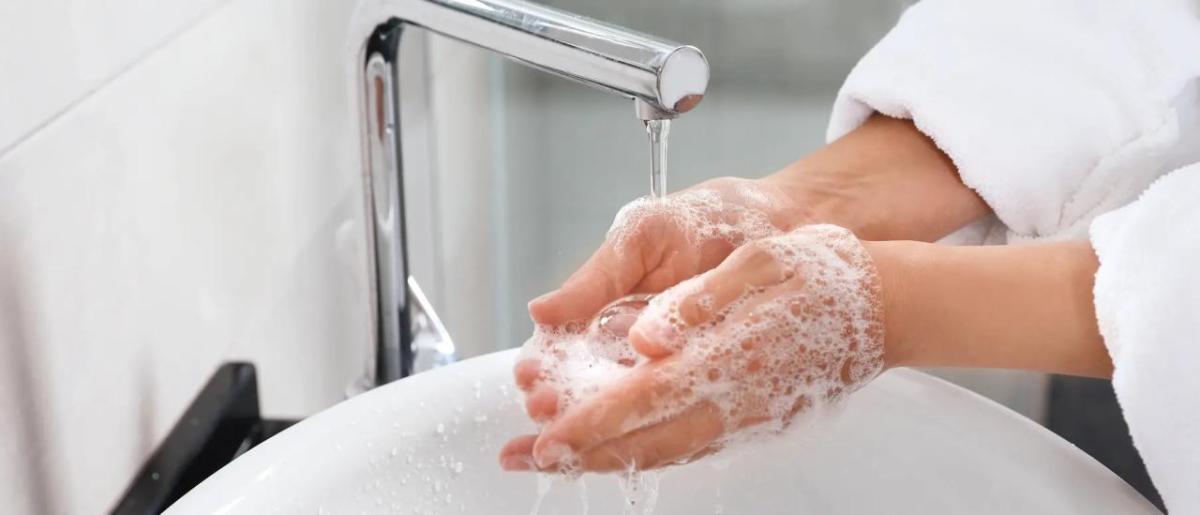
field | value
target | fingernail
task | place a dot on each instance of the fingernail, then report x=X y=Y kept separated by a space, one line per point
x=516 y=463
x=552 y=454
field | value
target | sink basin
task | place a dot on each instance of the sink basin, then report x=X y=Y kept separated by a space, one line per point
x=908 y=443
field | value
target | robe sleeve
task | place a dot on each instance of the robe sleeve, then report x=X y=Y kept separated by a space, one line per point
x=1148 y=305
x=1054 y=111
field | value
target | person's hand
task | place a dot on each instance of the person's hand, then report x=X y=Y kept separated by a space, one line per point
x=653 y=245
x=883 y=181
x=785 y=323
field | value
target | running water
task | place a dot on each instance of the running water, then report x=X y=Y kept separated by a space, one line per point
x=641 y=492
x=659 y=131
x=544 y=482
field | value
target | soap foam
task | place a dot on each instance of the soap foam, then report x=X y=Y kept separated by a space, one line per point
x=770 y=353
x=731 y=211
x=576 y=361
x=775 y=351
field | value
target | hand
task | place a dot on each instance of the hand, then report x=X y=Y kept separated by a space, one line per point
x=885 y=180
x=651 y=246
x=783 y=324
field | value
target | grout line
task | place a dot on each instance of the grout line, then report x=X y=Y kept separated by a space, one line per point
x=116 y=74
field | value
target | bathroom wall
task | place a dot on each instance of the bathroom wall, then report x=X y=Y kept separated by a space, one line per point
x=179 y=186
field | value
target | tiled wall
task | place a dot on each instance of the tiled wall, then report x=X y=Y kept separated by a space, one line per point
x=179 y=186
x=53 y=53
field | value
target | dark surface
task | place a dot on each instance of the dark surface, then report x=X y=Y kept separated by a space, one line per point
x=1085 y=412
x=222 y=422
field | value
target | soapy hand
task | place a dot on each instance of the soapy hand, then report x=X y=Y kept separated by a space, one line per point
x=785 y=323
x=653 y=245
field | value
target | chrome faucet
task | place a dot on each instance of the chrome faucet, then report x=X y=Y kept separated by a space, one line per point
x=663 y=78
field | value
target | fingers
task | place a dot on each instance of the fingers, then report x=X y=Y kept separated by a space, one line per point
x=624 y=406
x=542 y=404
x=541 y=401
x=607 y=276
x=751 y=266
x=684 y=438
x=677 y=440
x=517 y=454
x=526 y=372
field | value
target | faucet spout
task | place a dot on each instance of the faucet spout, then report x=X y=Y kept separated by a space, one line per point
x=668 y=76
x=663 y=78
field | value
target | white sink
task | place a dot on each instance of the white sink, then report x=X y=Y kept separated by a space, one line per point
x=908 y=443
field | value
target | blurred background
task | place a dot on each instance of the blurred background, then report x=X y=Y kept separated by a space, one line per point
x=180 y=186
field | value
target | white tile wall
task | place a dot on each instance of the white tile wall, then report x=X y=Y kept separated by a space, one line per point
x=54 y=52
x=203 y=205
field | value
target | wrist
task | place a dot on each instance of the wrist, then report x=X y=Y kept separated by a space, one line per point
x=896 y=263
x=824 y=196
x=1026 y=307
x=885 y=180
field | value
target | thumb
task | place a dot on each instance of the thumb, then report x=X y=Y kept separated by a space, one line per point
x=606 y=276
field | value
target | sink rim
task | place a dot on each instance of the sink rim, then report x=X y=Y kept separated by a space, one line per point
x=223 y=491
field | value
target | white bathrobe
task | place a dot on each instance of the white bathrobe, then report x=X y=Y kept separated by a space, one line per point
x=1058 y=113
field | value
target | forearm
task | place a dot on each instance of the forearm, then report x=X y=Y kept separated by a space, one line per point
x=884 y=181
x=1021 y=307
